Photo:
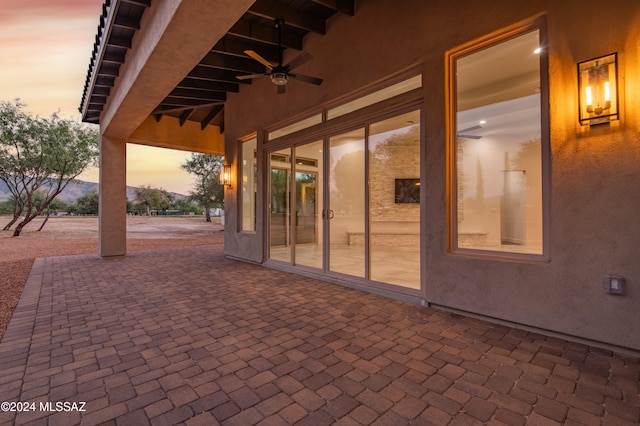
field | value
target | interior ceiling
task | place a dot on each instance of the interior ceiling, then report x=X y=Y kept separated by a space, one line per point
x=200 y=96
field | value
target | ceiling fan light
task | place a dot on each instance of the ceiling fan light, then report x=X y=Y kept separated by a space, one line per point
x=279 y=78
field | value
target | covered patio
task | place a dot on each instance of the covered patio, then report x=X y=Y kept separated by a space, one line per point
x=187 y=336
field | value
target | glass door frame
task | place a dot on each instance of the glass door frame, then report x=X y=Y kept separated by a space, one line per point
x=296 y=160
x=330 y=215
x=323 y=133
x=291 y=219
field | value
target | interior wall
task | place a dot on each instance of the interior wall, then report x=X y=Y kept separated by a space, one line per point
x=594 y=175
x=403 y=162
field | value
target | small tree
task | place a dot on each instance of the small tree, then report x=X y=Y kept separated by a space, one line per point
x=207 y=188
x=6 y=208
x=153 y=198
x=15 y=126
x=185 y=205
x=41 y=154
x=88 y=204
x=54 y=205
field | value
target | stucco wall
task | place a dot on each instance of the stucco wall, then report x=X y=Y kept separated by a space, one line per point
x=595 y=172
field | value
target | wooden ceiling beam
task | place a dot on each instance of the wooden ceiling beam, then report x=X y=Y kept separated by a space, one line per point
x=104 y=91
x=209 y=95
x=195 y=83
x=271 y=9
x=218 y=109
x=185 y=116
x=173 y=103
x=236 y=46
x=109 y=70
x=97 y=99
x=104 y=81
x=119 y=42
x=145 y=3
x=171 y=109
x=231 y=62
x=126 y=22
x=115 y=56
x=265 y=34
x=347 y=7
x=215 y=74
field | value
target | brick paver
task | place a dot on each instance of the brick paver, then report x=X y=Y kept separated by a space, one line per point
x=186 y=336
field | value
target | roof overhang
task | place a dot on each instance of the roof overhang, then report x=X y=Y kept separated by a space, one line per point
x=178 y=59
x=173 y=36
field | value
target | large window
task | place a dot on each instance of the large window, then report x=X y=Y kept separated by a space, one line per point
x=498 y=146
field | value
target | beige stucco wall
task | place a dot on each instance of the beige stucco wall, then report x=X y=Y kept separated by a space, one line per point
x=595 y=173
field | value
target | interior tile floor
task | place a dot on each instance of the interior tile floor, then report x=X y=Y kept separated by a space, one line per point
x=396 y=265
x=186 y=336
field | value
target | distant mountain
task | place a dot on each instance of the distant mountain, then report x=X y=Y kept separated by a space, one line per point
x=79 y=188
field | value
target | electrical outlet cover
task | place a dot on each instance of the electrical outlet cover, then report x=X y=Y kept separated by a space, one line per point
x=614 y=284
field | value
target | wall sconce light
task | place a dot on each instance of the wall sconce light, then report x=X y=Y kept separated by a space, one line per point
x=225 y=176
x=598 y=85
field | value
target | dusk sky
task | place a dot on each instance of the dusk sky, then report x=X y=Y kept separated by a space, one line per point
x=45 y=46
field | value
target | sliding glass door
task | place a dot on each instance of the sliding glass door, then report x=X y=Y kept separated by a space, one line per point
x=394 y=200
x=295 y=205
x=308 y=164
x=350 y=204
x=346 y=211
x=280 y=205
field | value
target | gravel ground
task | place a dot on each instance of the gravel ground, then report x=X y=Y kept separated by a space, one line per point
x=63 y=236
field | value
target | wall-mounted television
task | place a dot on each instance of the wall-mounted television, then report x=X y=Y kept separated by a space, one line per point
x=407 y=191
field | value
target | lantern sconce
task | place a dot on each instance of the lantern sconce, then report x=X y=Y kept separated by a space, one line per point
x=225 y=176
x=598 y=90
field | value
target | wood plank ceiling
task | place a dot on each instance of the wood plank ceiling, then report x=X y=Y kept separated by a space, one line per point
x=200 y=96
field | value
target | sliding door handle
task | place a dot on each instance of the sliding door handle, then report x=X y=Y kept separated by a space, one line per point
x=328 y=214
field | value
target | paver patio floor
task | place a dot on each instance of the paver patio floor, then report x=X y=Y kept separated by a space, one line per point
x=186 y=336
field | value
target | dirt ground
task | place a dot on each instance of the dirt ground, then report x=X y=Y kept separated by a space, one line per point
x=63 y=236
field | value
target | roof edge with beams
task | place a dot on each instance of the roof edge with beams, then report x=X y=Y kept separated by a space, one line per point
x=201 y=94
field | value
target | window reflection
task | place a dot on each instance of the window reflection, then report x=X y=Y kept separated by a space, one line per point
x=279 y=201
x=394 y=200
x=249 y=185
x=498 y=148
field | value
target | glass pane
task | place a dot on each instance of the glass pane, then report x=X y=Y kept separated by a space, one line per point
x=308 y=219
x=249 y=179
x=498 y=147
x=346 y=203
x=375 y=97
x=300 y=125
x=394 y=200
x=279 y=201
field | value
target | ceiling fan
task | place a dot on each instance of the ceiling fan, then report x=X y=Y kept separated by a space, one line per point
x=280 y=74
x=461 y=133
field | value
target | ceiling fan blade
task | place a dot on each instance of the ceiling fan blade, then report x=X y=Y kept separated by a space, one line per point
x=470 y=129
x=259 y=58
x=468 y=136
x=281 y=89
x=249 y=76
x=299 y=60
x=307 y=78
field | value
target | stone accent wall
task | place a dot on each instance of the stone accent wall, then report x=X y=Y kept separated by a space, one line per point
x=398 y=159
